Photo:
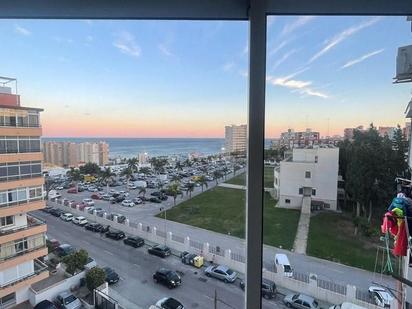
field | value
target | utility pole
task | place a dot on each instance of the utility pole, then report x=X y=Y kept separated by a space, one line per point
x=215 y=300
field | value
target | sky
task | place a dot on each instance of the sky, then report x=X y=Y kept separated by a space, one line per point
x=190 y=78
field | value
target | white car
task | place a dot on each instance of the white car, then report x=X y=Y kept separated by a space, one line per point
x=380 y=296
x=128 y=203
x=66 y=217
x=80 y=221
x=59 y=188
x=169 y=302
x=124 y=193
x=90 y=263
x=92 y=189
x=88 y=202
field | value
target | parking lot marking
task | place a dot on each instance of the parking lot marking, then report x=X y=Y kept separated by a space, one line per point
x=121 y=278
x=108 y=252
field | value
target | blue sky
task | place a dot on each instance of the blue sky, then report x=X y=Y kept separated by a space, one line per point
x=189 y=78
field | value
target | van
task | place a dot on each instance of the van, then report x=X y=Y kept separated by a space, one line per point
x=282 y=261
x=346 y=305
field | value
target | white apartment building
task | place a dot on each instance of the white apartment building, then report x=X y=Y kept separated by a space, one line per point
x=235 y=138
x=310 y=172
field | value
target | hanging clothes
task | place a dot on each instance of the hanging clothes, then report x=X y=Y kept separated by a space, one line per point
x=401 y=241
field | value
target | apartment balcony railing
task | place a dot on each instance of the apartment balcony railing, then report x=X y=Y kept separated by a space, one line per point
x=32 y=221
x=39 y=268
x=17 y=254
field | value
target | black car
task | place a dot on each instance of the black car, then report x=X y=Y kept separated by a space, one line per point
x=134 y=241
x=154 y=200
x=45 y=304
x=111 y=275
x=268 y=288
x=103 y=228
x=167 y=277
x=159 y=250
x=64 y=250
x=163 y=197
x=115 y=234
x=56 y=212
x=156 y=193
x=95 y=227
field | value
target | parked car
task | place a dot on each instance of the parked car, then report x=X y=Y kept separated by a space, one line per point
x=155 y=193
x=160 y=250
x=56 y=212
x=167 y=277
x=111 y=275
x=92 y=189
x=90 y=263
x=81 y=206
x=380 y=296
x=89 y=209
x=137 y=200
x=64 y=250
x=66 y=216
x=127 y=203
x=53 y=243
x=169 y=303
x=88 y=202
x=96 y=196
x=80 y=221
x=72 y=190
x=134 y=241
x=67 y=300
x=119 y=199
x=94 y=227
x=103 y=228
x=221 y=272
x=115 y=234
x=45 y=304
x=106 y=197
x=300 y=301
x=154 y=200
x=268 y=288
x=99 y=212
x=163 y=197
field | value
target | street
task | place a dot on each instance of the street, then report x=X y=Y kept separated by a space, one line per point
x=136 y=267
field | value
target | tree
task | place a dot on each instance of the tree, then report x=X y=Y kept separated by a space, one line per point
x=236 y=167
x=105 y=176
x=174 y=191
x=158 y=164
x=216 y=175
x=132 y=163
x=188 y=163
x=224 y=171
x=95 y=277
x=76 y=261
x=400 y=147
x=75 y=176
x=179 y=166
x=142 y=190
x=49 y=184
x=90 y=169
x=145 y=170
x=128 y=172
x=189 y=188
x=202 y=181
x=176 y=178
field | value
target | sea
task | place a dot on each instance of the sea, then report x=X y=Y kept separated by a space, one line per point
x=131 y=147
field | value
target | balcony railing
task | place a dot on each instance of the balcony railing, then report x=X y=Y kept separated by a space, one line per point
x=32 y=221
x=16 y=254
x=39 y=268
x=19 y=203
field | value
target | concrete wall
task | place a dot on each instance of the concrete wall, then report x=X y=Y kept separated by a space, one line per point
x=51 y=292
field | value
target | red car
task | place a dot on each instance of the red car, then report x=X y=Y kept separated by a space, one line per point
x=81 y=206
x=72 y=190
x=96 y=196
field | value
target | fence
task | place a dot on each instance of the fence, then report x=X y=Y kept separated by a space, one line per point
x=309 y=284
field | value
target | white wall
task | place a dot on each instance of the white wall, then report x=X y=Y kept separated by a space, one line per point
x=23 y=294
x=13 y=273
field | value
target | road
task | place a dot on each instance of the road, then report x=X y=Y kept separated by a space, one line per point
x=135 y=268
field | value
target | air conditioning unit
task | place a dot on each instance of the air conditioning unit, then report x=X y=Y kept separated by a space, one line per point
x=404 y=64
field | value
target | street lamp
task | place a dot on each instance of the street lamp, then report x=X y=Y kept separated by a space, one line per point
x=165 y=210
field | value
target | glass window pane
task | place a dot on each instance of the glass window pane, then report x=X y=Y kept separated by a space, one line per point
x=11 y=146
x=36 y=168
x=25 y=169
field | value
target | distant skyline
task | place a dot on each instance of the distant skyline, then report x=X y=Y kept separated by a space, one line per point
x=189 y=78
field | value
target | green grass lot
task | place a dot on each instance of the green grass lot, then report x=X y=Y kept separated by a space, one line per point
x=241 y=178
x=223 y=210
x=331 y=237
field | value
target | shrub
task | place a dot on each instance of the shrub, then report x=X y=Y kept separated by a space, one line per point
x=94 y=278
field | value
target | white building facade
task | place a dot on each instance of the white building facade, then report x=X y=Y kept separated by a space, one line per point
x=310 y=172
x=235 y=138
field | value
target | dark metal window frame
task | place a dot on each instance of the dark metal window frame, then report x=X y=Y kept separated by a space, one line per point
x=255 y=11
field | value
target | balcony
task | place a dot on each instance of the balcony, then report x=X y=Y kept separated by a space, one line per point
x=23 y=256
x=31 y=180
x=40 y=272
x=20 y=207
x=34 y=226
x=21 y=157
x=21 y=131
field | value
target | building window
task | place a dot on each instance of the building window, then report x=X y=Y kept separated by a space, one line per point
x=6 y=221
x=287 y=201
x=300 y=191
x=8 y=300
x=308 y=174
x=21 y=245
x=313 y=192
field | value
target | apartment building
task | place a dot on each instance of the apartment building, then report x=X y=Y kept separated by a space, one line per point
x=235 y=138
x=311 y=172
x=68 y=154
x=387 y=131
x=22 y=236
x=292 y=139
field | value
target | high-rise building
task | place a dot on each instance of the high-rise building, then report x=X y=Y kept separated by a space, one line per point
x=69 y=154
x=387 y=131
x=235 y=138
x=22 y=235
x=292 y=139
x=349 y=132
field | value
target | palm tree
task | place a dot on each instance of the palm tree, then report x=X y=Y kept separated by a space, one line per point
x=202 y=181
x=105 y=176
x=142 y=190
x=75 y=175
x=179 y=166
x=132 y=163
x=189 y=188
x=173 y=190
x=188 y=163
x=128 y=172
x=235 y=169
x=176 y=179
x=216 y=175
x=145 y=170
x=224 y=171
